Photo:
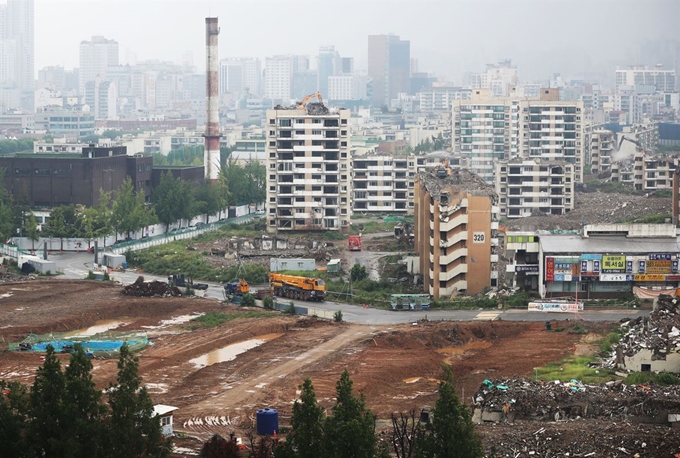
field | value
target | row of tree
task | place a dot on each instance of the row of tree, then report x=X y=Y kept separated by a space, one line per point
x=16 y=146
x=124 y=210
x=63 y=414
x=348 y=431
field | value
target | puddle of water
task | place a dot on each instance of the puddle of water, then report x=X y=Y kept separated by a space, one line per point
x=452 y=351
x=2 y=296
x=99 y=327
x=157 y=388
x=175 y=320
x=230 y=352
x=412 y=379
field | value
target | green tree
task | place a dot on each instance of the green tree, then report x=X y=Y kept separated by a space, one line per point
x=212 y=197
x=31 y=229
x=63 y=223
x=306 y=438
x=6 y=220
x=47 y=412
x=350 y=431
x=450 y=433
x=219 y=447
x=129 y=213
x=164 y=197
x=186 y=201
x=14 y=408
x=358 y=272
x=82 y=407
x=133 y=431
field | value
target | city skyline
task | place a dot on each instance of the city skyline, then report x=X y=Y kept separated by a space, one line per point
x=448 y=38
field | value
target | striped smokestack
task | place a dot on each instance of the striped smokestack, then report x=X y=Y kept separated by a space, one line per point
x=211 y=155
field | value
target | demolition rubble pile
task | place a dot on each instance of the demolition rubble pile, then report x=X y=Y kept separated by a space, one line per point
x=660 y=333
x=550 y=401
x=600 y=438
x=152 y=289
x=7 y=275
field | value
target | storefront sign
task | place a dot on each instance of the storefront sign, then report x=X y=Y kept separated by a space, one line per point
x=526 y=268
x=660 y=257
x=629 y=266
x=549 y=269
x=641 y=266
x=584 y=266
x=650 y=277
x=568 y=260
x=591 y=257
x=596 y=266
x=658 y=267
x=616 y=277
x=674 y=266
x=613 y=264
x=672 y=277
x=563 y=277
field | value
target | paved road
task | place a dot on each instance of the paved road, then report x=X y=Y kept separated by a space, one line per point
x=76 y=266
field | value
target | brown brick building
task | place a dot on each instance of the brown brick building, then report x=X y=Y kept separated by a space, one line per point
x=63 y=179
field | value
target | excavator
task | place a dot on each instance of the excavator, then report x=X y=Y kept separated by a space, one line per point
x=313 y=108
x=308 y=98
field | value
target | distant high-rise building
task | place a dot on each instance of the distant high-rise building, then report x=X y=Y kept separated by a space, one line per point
x=240 y=75
x=389 y=65
x=52 y=77
x=347 y=65
x=101 y=97
x=96 y=56
x=278 y=77
x=17 y=49
x=498 y=78
x=636 y=75
x=329 y=65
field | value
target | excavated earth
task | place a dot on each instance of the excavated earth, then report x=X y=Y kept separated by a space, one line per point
x=396 y=367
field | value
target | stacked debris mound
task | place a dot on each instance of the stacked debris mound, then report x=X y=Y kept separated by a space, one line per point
x=512 y=399
x=7 y=275
x=140 y=288
x=659 y=333
x=600 y=438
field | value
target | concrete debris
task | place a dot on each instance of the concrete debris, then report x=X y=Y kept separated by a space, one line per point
x=140 y=288
x=514 y=399
x=7 y=276
x=659 y=333
x=460 y=180
x=595 y=207
x=600 y=438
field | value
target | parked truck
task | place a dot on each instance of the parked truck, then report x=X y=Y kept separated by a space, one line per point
x=354 y=243
x=294 y=287
x=235 y=291
x=180 y=281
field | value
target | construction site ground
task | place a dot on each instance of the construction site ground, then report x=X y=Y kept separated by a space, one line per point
x=396 y=367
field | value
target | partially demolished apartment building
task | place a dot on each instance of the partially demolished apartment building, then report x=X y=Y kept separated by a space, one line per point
x=602 y=261
x=455 y=232
x=308 y=169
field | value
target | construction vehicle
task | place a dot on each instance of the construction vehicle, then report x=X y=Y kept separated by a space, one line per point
x=310 y=97
x=354 y=243
x=180 y=281
x=240 y=287
x=443 y=170
x=294 y=287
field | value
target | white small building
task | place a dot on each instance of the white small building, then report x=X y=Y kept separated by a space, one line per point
x=165 y=414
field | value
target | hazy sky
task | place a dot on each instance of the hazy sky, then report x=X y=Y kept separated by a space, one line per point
x=447 y=36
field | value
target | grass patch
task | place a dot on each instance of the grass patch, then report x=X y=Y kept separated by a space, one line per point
x=645 y=378
x=372 y=227
x=650 y=219
x=609 y=341
x=214 y=319
x=575 y=367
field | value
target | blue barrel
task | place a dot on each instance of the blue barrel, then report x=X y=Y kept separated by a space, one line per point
x=267 y=421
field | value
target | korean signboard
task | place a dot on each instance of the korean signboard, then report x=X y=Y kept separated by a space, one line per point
x=650 y=277
x=613 y=264
x=660 y=257
x=526 y=268
x=658 y=267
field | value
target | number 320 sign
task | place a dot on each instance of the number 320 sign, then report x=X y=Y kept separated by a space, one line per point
x=478 y=237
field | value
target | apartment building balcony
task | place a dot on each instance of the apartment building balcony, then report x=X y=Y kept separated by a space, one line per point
x=460 y=285
x=308 y=148
x=495 y=241
x=453 y=222
x=451 y=257
x=453 y=239
x=453 y=273
x=494 y=258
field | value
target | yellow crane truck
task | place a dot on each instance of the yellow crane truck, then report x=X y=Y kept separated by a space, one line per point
x=294 y=287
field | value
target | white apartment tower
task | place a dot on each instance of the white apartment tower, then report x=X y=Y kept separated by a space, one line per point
x=17 y=51
x=637 y=75
x=279 y=77
x=96 y=56
x=489 y=129
x=238 y=75
x=308 y=169
x=525 y=186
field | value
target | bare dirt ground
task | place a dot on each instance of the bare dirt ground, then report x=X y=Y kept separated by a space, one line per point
x=396 y=367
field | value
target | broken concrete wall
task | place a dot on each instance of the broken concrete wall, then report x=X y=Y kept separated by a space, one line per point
x=645 y=357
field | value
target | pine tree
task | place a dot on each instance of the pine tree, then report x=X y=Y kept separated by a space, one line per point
x=47 y=412
x=350 y=431
x=82 y=407
x=450 y=433
x=306 y=438
x=133 y=430
x=14 y=404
